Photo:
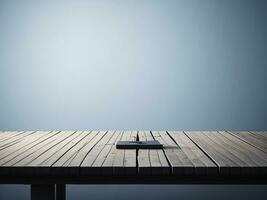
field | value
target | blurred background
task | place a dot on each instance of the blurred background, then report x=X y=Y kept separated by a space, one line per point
x=134 y=64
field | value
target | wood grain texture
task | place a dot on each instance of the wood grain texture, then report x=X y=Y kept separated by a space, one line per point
x=257 y=140
x=83 y=153
x=232 y=155
x=202 y=163
x=114 y=161
x=151 y=161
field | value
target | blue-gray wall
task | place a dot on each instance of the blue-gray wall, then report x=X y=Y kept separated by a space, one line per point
x=136 y=64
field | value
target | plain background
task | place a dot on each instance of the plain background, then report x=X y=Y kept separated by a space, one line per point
x=143 y=64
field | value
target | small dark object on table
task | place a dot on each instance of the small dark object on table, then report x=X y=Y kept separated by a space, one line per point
x=151 y=144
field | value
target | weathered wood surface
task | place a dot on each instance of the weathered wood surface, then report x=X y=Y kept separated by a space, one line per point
x=94 y=153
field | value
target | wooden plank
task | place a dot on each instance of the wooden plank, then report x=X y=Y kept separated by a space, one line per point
x=251 y=139
x=180 y=164
x=95 y=153
x=23 y=150
x=65 y=159
x=100 y=159
x=234 y=154
x=55 y=152
x=202 y=163
x=13 y=136
x=37 y=149
x=129 y=160
x=78 y=158
x=42 y=152
x=262 y=135
x=255 y=154
x=6 y=134
x=218 y=154
x=151 y=161
x=9 y=134
x=108 y=164
x=121 y=161
x=125 y=161
x=105 y=151
x=144 y=164
x=86 y=165
x=255 y=158
x=15 y=139
x=118 y=167
x=18 y=146
x=3 y=134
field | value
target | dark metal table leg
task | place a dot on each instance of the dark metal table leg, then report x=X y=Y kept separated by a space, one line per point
x=60 y=191
x=43 y=192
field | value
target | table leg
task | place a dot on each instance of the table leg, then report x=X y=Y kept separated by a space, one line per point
x=43 y=192
x=48 y=192
x=60 y=191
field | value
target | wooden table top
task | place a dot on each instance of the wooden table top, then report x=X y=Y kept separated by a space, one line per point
x=94 y=153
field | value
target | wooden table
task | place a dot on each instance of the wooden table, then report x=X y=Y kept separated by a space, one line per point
x=49 y=160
